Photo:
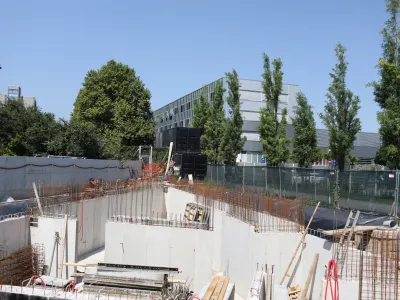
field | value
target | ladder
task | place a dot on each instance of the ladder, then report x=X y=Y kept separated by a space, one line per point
x=342 y=245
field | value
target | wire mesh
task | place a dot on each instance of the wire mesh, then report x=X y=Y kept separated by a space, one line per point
x=364 y=190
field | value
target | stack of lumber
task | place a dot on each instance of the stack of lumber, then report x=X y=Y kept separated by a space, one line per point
x=217 y=288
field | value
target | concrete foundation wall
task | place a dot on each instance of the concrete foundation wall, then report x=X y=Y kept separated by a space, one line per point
x=17 y=183
x=187 y=249
x=14 y=235
x=237 y=249
x=91 y=215
x=45 y=234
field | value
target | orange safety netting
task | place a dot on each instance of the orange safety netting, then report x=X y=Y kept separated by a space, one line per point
x=154 y=169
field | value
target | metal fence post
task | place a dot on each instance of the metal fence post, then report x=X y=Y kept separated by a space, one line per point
x=243 y=174
x=223 y=179
x=254 y=175
x=295 y=180
x=217 y=173
x=280 y=182
x=396 y=194
x=266 y=178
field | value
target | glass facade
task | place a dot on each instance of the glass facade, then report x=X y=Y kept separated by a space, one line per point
x=179 y=113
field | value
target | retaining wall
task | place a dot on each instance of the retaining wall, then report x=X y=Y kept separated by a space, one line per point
x=233 y=248
x=14 y=235
x=92 y=214
x=45 y=234
x=17 y=173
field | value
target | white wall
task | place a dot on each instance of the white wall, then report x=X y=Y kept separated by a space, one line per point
x=187 y=249
x=237 y=249
x=18 y=183
x=14 y=235
x=95 y=212
x=45 y=234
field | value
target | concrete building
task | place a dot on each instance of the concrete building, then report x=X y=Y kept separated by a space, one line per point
x=179 y=113
x=14 y=92
x=3 y=98
x=29 y=101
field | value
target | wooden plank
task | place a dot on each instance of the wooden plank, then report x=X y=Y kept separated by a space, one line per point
x=70 y=264
x=299 y=244
x=309 y=277
x=267 y=285
x=355 y=229
x=211 y=288
x=224 y=288
x=218 y=288
x=63 y=247
x=37 y=198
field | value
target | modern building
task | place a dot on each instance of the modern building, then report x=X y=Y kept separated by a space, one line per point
x=14 y=92
x=3 y=98
x=179 y=113
x=29 y=101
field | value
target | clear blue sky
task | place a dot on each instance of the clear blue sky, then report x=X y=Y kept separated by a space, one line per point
x=175 y=46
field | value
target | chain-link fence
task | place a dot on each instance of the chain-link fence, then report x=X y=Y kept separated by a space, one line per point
x=365 y=190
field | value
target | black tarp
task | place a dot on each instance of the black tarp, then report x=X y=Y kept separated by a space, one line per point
x=331 y=218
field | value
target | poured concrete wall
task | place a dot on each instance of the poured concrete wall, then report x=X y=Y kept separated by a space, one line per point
x=237 y=249
x=14 y=235
x=45 y=234
x=187 y=249
x=91 y=215
x=17 y=183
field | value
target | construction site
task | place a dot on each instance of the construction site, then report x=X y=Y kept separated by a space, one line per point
x=145 y=236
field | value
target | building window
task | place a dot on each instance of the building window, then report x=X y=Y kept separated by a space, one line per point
x=176 y=110
x=187 y=122
x=188 y=105
x=181 y=124
x=182 y=107
x=170 y=117
x=176 y=125
x=162 y=120
x=165 y=127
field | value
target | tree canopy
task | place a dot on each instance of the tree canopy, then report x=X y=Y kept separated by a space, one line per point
x=305 y=149
x=116 y=103
x=232 y=141
x=214 y=127
x=387 y=90
x=341 y=108
x=200 y=111
x=272 y=134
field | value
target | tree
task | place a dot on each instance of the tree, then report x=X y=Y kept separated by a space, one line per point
x=341 y=108
x=305 y=149
x=283 y=141
x=272 y=86
x=200 y=112
x=115 y=100
x=75 y=139
x=214 y=127
x=232 y=141
x=272 y=135
x=268 y=136
x=387 y=90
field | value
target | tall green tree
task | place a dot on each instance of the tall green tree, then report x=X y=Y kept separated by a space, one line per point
x=116 y=102
x=272 y=134
x=200 y=111
x=387 y=90
x=305 y=149
x=214 y=127
x=232 y=142
x=268 y=137
x=340 y=112
x=75 y=139
x=283 y=141
x=272 y=85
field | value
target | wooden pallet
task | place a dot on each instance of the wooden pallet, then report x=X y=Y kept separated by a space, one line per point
x=294 y=292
